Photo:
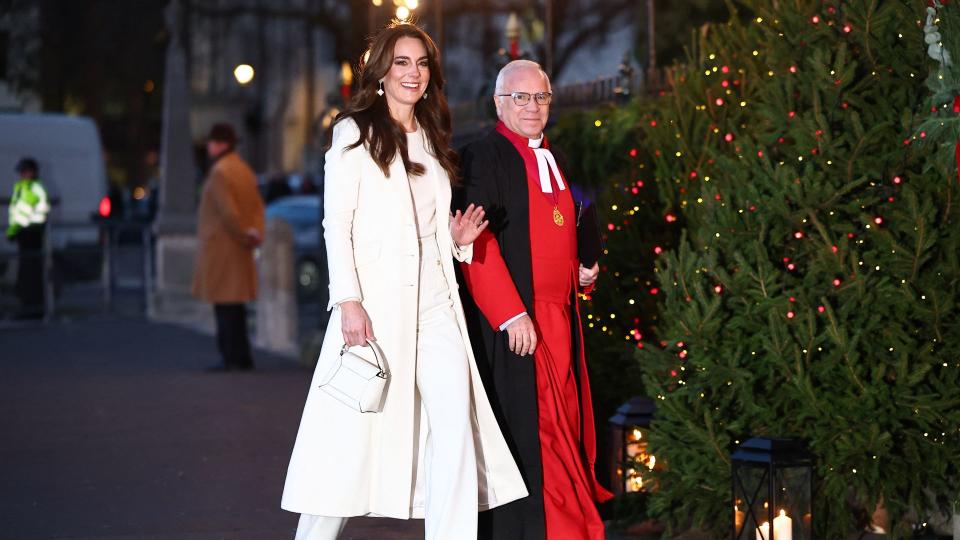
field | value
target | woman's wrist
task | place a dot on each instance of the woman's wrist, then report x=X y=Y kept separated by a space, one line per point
x=349 y=305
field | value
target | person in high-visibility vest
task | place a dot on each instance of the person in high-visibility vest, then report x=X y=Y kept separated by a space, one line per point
x=28 y=211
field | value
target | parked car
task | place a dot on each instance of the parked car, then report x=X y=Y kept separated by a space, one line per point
x=275 y=187
x=304 y=214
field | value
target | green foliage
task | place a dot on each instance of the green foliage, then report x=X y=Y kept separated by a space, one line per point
x=630 y=509
x=812 y=285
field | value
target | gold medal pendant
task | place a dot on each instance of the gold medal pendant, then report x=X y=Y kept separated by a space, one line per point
x=557 y=217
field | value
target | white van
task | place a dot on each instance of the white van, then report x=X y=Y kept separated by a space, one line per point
x=68 y=151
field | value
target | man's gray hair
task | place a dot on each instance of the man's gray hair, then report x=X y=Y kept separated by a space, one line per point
x=514 y=66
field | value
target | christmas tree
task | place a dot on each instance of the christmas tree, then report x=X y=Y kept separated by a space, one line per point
x=812 y=289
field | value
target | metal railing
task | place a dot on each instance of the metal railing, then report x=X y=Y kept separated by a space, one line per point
x=111 y=234
x=597 y=92
x=82 y=277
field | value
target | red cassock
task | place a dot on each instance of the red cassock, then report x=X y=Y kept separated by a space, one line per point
x=566 y=425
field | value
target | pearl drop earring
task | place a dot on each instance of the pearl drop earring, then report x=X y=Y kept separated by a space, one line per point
x=380 y=90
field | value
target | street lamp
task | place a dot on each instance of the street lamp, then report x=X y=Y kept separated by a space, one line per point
x=403 y=11
x=405 y=8
x=243 y=73
x=346 y=80
x=513 y=35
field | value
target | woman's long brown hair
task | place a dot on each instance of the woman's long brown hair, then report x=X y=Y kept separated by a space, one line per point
x=384 y=136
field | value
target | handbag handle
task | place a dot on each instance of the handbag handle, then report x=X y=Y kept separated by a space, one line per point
x=373 y=346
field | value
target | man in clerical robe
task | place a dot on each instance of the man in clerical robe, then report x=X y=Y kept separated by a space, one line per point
x=525 y=323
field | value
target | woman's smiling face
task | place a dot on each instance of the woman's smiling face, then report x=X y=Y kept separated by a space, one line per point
x=409 y=73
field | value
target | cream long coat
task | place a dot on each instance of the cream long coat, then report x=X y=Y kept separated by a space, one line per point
x=347 y=463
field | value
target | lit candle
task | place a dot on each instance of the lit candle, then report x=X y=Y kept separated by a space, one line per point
x=632 y=480
x=763 y=531
x=738 y=518
x=782 y=528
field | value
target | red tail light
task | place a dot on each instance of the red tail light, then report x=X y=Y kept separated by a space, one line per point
x=104 y=207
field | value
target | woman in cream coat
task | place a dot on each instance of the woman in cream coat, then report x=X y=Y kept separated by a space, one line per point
x=435 y=451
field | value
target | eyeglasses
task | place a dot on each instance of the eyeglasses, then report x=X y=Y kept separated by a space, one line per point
x=520 y=99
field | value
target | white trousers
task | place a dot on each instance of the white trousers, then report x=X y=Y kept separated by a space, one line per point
x=313 y=527
x=443 y=383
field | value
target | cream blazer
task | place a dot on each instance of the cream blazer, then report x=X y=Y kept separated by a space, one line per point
x=346 y=463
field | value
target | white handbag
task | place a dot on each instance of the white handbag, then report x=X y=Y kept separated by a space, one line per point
x=355 y=381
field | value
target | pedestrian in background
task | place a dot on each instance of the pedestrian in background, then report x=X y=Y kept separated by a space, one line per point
x=229 y=228
x=28 y=211
x=434 y=452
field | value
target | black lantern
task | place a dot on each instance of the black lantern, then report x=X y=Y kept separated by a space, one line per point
x=631 y=458
x=772 y=490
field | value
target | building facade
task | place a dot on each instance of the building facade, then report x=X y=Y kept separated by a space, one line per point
x=19 y=56
x=296 y=76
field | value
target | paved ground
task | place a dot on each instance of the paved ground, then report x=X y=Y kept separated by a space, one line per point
x=112 y=430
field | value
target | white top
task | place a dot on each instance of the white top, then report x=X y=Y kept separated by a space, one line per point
x=422 y=186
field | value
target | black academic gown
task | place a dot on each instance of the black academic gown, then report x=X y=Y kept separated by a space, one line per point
x=494 y=176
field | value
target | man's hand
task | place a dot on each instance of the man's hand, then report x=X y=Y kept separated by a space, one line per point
x=355 y=323
x=589 y=275
x=466 y=227
x=522 y=336
x=253 y=237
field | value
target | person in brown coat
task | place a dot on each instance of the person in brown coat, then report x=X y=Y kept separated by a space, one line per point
x=229 y=228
